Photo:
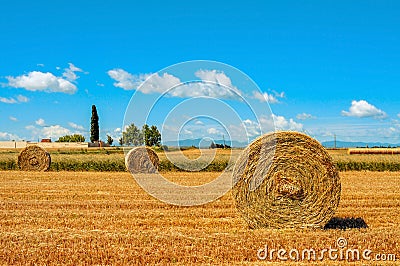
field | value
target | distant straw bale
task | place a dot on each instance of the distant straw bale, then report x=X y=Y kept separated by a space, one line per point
x=34 y=158
x=142 y=160
x=286 y=179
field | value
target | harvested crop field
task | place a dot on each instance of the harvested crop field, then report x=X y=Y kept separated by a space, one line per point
x=106 y=218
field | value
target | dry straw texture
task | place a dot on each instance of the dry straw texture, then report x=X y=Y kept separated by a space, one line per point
x=34 y=158
x=286 y=179
x=142 y=160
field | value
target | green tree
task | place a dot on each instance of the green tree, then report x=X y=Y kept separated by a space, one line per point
x=151 y=135
x=155 y=136
x=71 y=138
x=146 y=135
x=121 y=141
x=132 y=136
x=94 y=125
x=109 y=140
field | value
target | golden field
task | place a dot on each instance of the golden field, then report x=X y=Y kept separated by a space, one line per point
x=105 y=218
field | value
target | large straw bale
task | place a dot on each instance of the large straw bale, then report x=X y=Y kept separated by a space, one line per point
x=286 y=179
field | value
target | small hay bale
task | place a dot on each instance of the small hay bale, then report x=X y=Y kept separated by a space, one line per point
x=286 y=180
x=142 y=160
x=34 y=158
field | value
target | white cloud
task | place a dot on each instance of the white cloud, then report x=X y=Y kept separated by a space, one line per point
x=198 y=122
x=40 y=122
x=398 y=115
x=69 y=73
x=75 y=126
x=115 y=134
x=187 y=132
x=213 y=131
x=12 y=118
x=212 y=84
x=364 y=109
x=268 y=97
x=281 y=123
x=158 y=84
x=22 y=99
x=40 y=81
x=126 y=80
x=199 y=89
x=7 y=100
x=40 y=65
x=53 y=132
x=252 y=128
x=305 y=116
x=249 y=129
x=217 y=77
x=8 y=136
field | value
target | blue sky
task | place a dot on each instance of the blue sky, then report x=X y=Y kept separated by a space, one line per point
x=326 y=67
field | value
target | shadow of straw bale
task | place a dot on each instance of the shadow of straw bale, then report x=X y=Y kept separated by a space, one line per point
x=345 y=223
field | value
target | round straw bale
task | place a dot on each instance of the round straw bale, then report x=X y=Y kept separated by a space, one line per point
x=286 y=179
x=34 y=158
x=142 y=160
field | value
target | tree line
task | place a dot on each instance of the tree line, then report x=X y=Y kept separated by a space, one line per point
x=131 y=136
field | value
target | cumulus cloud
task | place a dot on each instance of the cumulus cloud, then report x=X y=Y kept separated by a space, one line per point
x=76 y=126
x=40 y=81
x=282 y=123
x=12 y=118
x=212 y=83
x=8 y=136
x=219 y=78
x=268 y=97
x=53 y=132
x=364 y=109
x=126 y=80
x=40 y=122
x=252 y=128
x=159 y=84
x=305 y=116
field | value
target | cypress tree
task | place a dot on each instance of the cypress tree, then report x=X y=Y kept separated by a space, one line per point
x=94 y=125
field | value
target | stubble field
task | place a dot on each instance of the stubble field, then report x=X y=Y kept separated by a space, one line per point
x=106 y=218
